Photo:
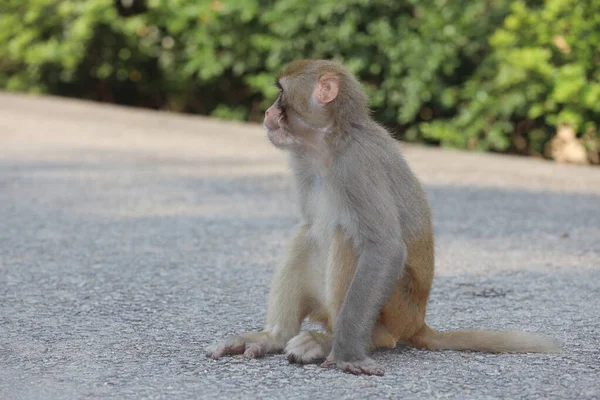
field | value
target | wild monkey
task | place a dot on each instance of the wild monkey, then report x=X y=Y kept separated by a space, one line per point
x=362 y=260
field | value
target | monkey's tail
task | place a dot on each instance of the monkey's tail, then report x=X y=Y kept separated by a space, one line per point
x=484 y=341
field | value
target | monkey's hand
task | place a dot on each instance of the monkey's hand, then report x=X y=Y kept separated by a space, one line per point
x=251 y=345
x=365 y=366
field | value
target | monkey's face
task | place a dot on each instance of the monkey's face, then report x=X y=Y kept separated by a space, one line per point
x=275 y=123
x=285 y=120
x=301 y=111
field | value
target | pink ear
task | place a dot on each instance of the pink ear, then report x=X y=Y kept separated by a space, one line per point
x=327 y=89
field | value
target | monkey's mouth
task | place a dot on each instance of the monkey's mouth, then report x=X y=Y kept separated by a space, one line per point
x=271 y=125
x=279 y=137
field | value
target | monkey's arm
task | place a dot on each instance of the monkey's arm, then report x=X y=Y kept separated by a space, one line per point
x=378 y=269
x=382 y=255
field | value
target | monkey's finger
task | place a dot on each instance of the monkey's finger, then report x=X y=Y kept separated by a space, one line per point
x=373 y=370
x=353 y=370
x=328 y=363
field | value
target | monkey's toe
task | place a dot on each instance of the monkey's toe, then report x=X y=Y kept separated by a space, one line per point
x=219 y=350
x=308 y=348
x=254 y=350
x=294 y=358
x=251 y=345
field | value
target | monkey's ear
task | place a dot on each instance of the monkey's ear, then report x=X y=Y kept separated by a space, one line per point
x=327 y=88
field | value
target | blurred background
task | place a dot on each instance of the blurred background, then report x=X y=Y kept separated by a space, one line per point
x=510 y=76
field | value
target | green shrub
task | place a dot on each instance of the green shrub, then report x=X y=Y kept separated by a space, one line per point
x=472 y=74
x=543 y=70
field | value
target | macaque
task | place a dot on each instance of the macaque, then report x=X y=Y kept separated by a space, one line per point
x=361 y=261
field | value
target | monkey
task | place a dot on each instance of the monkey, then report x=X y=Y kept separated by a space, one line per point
x=361 y=260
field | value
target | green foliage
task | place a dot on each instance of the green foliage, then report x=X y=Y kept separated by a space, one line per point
x=472 y=74
x=543 y=70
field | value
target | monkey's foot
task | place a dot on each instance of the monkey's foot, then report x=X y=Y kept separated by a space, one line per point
x=308 y=347
x=251 y=345
x=366 y=366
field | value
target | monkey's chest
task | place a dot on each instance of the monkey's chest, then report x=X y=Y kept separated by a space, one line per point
x=327 y=216
x=324 y=212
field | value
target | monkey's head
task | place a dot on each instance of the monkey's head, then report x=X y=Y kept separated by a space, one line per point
x=314 y=97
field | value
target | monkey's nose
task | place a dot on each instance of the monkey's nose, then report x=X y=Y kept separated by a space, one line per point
x=267 y=113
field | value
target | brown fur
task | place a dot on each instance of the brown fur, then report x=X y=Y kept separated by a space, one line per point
x=340 y=271
x=351 y=104
x=402 y=318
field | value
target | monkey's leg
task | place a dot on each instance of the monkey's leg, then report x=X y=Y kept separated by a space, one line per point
x=288 y=305
x=404 y=312
x=310 y=347
x=313 y=347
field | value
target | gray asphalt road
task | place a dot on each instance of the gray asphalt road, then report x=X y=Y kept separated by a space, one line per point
x=129 y=240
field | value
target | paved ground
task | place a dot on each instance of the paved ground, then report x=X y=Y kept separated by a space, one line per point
x=129 y=240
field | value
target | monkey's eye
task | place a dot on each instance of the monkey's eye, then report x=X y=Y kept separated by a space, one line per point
x=278 y=85
x=281 y=108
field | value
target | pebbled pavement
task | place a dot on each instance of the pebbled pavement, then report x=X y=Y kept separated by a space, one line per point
x=131 y=239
